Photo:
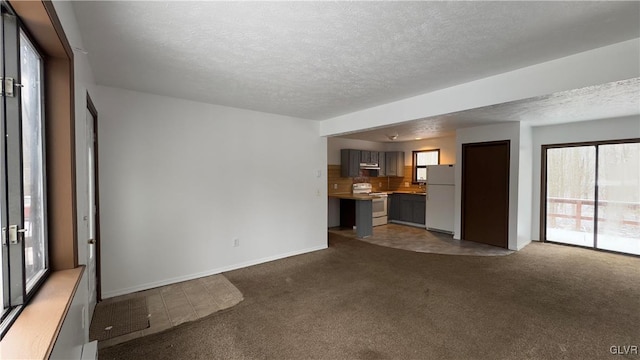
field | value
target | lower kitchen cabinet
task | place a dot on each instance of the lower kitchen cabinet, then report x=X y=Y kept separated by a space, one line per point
x=408 y=208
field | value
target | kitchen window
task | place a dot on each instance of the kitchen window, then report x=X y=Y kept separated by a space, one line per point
x=23 y=217
x=421 y=159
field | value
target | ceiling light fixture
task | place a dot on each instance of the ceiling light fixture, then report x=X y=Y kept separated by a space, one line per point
x=393 y=137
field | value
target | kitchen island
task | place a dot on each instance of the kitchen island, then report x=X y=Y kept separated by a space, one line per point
x=356 y=210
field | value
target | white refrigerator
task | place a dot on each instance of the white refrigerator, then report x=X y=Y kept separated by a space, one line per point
x=440 y=198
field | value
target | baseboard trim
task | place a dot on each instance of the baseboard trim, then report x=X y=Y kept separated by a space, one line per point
x=421 y=226
x=151 y=285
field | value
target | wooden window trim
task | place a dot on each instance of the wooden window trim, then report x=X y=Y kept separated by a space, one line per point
x=42 y=22
x=34 y=333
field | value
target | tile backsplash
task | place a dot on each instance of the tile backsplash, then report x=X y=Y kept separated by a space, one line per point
x=337 y=184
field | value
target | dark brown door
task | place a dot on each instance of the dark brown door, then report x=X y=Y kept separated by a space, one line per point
x=485 y=193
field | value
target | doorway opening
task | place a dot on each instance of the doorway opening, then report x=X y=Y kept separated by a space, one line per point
x=93 y=205
x=591 y=195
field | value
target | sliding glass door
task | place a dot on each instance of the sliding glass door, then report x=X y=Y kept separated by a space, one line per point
x=571 y=184
x=593 y=195
x=619 y=197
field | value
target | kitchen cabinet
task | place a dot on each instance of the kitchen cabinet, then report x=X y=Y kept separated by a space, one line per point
x=393 y=211
x=350 y=163
x=394 y=163
x=419 y=205
x=369 y=157
x=365 y=156
x=382 y=164
x=407 y=208
x=374 y=157
x=350 y=160
x=357 y=212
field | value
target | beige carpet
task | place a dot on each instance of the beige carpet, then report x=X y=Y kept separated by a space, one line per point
x=118 y=318
x=361 y=301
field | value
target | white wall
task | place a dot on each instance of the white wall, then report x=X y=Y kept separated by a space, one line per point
x=179 y=180
x=525 y=186
x=594 y=67
x=507 y=131
x=598 y=130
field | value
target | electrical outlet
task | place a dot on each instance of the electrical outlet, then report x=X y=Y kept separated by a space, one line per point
x=380 y=185
x=236 y=242
x=335 y=186
x=406 y=184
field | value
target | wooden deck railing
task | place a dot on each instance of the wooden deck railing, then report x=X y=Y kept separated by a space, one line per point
x=579 y=203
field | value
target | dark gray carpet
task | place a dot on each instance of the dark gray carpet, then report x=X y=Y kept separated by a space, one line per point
x=361 y=301
x=118 y=318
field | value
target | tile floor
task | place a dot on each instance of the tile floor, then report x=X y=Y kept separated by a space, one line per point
x=420 y=240
x=175 y=304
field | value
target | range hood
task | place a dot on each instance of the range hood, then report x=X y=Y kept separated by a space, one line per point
x=369 y=166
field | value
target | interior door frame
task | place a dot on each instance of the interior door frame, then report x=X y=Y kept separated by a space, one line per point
x=463 y=180
x=543 y=188
x=92 y=109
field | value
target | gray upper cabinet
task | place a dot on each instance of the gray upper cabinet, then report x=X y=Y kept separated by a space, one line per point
x=394 y=163
x=382 y=164
x=365 y=156
x=374 y=157
x=350 y=163
x=369 y=157
x=391 y=163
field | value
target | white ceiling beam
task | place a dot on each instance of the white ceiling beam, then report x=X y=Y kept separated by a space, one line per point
x=611 y=63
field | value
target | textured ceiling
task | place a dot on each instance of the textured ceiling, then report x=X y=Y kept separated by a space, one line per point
x=616 y=99
x=317 y=60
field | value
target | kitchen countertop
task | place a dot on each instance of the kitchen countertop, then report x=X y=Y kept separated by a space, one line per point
x=408 y=192
x=350 y=196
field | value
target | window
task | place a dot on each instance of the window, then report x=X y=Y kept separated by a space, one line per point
x=421 y=159
x=23 y=217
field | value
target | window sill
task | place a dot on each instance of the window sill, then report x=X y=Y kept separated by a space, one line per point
x=34 y=333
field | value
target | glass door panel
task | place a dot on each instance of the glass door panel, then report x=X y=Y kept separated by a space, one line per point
x=619 y=198
x=570 y=199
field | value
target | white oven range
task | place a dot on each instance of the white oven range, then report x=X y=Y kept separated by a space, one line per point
x=379 y=203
